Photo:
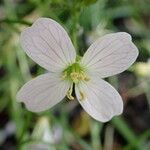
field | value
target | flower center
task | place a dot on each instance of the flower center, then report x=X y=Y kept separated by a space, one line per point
x=75 y=73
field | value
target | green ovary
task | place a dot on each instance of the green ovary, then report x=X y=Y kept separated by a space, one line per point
x=75 y=73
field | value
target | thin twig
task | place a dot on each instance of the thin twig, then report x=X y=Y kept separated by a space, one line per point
x=11 y=21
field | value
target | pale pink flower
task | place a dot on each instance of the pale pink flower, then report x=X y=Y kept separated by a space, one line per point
x=49 y=45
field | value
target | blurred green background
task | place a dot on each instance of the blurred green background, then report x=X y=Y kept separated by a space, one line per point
x=67 y=126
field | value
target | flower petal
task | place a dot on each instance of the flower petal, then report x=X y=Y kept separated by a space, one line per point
x=48 y=44
x=43 y=92
x=101 y=100
x=110 y=55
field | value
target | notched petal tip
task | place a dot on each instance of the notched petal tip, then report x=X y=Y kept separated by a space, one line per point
x=102 y=100
x=48 y=44
x=129 y=40
x=107 y=118
x=111 y=54
x=124 y=34
x=33 y=108
x=28 y=105
x=42 y=92
x=20 y=98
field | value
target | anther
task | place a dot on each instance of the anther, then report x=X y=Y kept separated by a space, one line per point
x=74 y=76
x=82 y=96
x=86 y=78
x=69 y=94
x=83 y=77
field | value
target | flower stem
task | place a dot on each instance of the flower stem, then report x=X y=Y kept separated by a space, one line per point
x=13 y=21
x=75 y=18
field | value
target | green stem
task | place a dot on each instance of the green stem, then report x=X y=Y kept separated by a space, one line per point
x=15 y=21
x=146 y=88
x=75 y=16
x=126 y=132
x=122 y=126
x=95 y=128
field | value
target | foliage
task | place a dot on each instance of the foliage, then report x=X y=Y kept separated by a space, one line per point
x=85 y=21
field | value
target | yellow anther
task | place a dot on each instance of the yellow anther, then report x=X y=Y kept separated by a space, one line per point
x=83 y=77
x=75 y=77
x=74 y=73
x=86 y=78
x=82 y=96
x=69 y=94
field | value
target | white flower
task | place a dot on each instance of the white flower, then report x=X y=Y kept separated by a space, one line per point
x=48 y=44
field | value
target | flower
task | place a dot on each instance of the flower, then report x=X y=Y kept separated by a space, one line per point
x=44 y=136
x=49 y=45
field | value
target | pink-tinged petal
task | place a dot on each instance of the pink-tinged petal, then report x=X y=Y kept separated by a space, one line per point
x=101 y=100
x=43 y=92
x=110 y=54
x=48 y=44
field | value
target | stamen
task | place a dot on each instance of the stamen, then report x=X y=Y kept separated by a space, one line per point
x=86 y=78
x=74 y=76
x=77 y=77
x=82 y=96
x=83 y=76
x=74 y=73
x=69 y=93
